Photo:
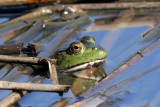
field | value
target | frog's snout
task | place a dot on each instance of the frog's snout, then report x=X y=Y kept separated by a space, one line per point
x=102 y=53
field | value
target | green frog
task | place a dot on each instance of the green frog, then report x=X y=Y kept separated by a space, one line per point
x=80 y=55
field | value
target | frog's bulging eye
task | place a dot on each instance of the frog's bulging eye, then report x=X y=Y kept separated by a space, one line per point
x=76 y=47
x=88 y=39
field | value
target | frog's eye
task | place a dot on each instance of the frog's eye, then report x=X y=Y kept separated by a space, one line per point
x=88 y=39
x=76 y=47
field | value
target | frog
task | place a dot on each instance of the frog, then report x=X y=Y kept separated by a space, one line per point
x=80 y=55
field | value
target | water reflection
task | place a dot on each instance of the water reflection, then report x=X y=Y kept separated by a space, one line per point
x=3 y=20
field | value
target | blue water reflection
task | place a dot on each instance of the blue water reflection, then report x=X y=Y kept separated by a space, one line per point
x=3 y=20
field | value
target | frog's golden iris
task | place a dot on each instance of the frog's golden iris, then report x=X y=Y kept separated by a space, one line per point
x=76 y=47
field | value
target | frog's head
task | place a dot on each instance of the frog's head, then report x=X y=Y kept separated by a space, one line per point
x=80 y=56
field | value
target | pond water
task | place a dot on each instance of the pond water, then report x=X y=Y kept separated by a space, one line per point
x=3 y=20
x=122 y=40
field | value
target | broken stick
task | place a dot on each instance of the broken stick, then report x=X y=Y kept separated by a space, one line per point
x=33 y=87
x=33 y=60
x=23 y=60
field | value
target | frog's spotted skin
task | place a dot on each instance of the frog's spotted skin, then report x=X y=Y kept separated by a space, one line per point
x=80 y=55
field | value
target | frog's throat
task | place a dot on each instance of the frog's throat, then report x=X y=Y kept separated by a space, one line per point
x=84 y=66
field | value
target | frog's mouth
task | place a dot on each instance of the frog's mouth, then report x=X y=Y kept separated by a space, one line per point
x=84 y=65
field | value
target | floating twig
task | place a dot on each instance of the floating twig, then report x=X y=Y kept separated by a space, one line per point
x=66 y=32
x=49 y=28
x=52 y=71
x=33 y=60
x=5 y=70
x=13 y=33
x=33 y=2
x=13 y=26
x=13 y=97
x=25 y=60
x=151 y=34
x=39 y=13
x=7 y=49
x=41 y=36
x=117 y=5
x=36 y=28
x=33 y=87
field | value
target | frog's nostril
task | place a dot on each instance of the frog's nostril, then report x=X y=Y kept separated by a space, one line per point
x=94 y=48
x=99 y=47
x=103 y=53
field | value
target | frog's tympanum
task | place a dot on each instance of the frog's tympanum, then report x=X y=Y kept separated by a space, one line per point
x=80 y=55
